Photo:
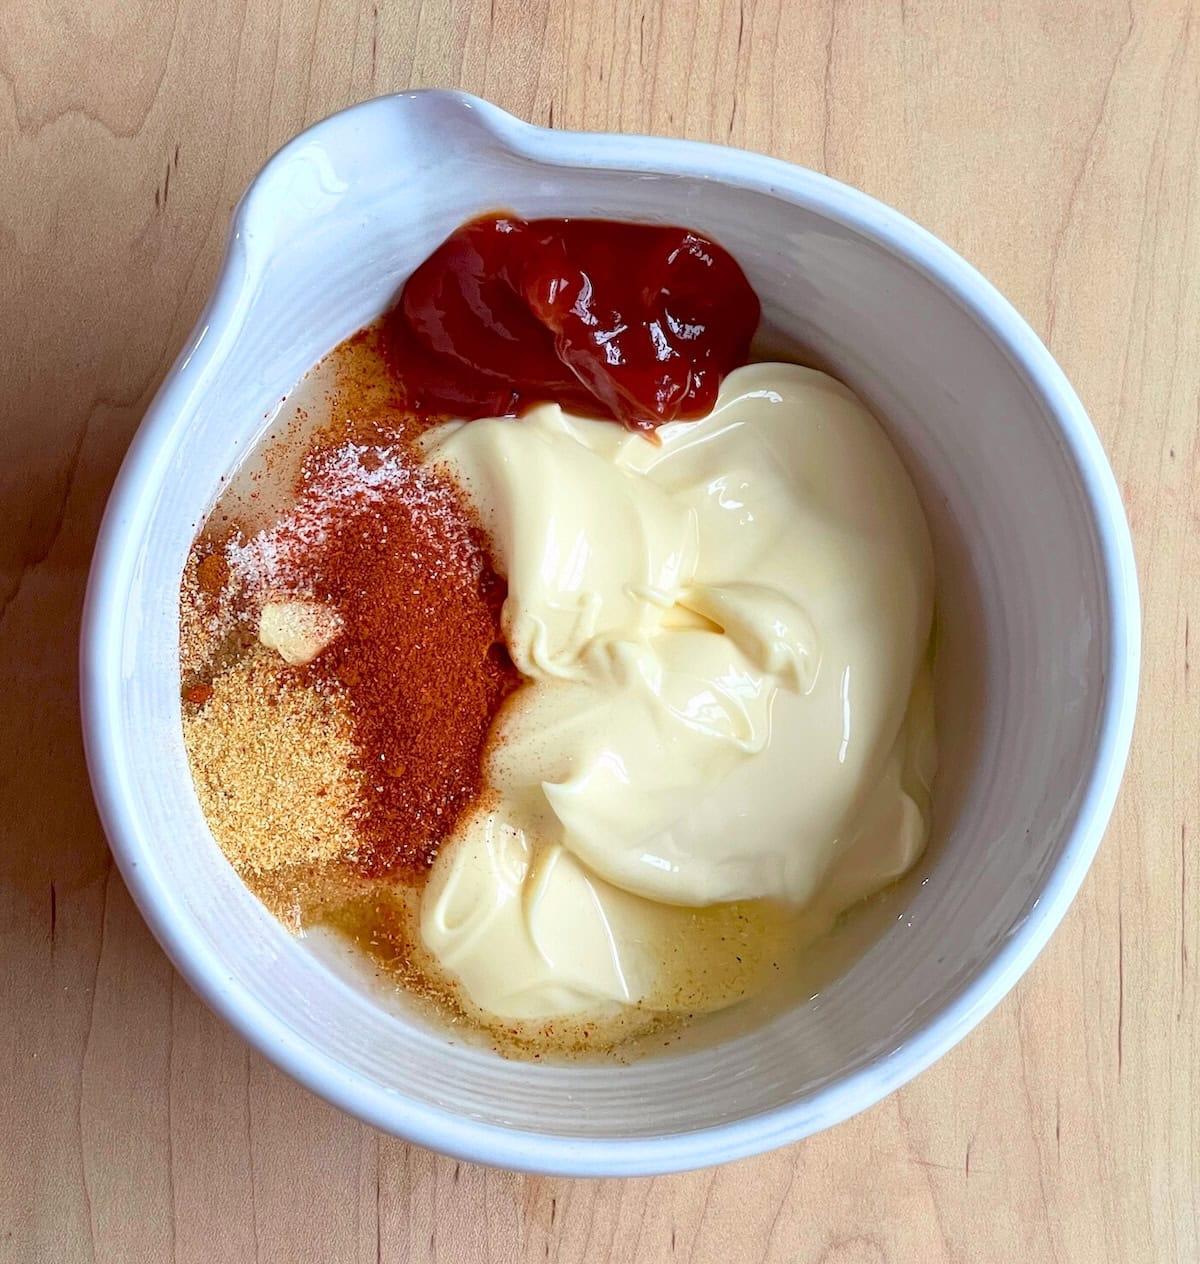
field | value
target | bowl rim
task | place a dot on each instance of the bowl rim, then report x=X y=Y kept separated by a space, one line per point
x=443 y=1130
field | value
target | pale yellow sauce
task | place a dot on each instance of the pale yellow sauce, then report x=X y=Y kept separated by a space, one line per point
x=727 y=737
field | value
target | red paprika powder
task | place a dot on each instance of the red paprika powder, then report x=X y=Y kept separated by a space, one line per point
x=391 y=546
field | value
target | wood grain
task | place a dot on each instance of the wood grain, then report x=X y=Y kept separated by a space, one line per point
x=1057 y=146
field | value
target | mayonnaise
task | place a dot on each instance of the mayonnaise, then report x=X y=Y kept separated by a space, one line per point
x=728 y=715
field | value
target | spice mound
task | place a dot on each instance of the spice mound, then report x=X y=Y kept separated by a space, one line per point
x=342 y=668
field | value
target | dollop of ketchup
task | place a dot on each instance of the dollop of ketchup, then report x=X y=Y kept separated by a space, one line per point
x=634 y=322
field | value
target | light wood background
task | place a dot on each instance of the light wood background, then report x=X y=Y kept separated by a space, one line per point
x=1057 y=146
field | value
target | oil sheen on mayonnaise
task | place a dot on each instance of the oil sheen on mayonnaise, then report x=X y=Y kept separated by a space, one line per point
x=727 y=730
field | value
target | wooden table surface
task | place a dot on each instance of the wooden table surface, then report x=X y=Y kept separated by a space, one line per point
x=1057 y=146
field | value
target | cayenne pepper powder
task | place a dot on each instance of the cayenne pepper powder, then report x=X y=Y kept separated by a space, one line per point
x=391 y=545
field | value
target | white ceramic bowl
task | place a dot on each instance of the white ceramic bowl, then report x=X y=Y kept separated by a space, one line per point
x=1038 y=629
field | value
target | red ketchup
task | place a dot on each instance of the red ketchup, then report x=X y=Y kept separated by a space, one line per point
x=633 y=322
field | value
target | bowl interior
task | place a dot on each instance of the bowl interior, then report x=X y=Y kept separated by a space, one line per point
x=325 y=237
